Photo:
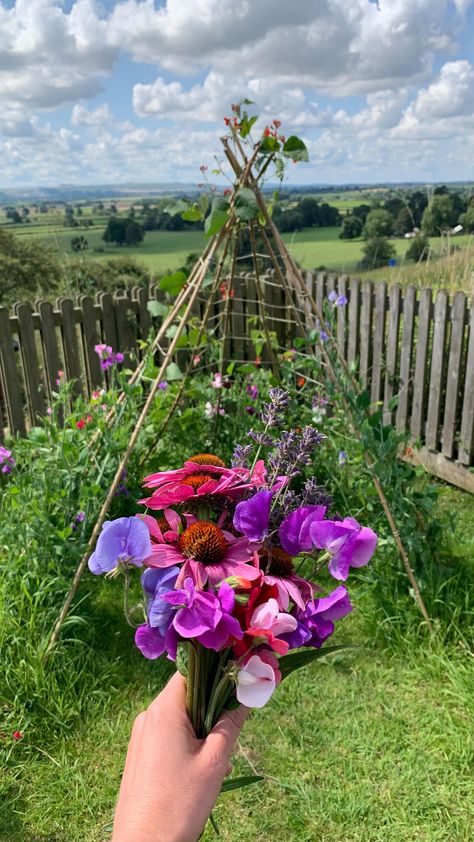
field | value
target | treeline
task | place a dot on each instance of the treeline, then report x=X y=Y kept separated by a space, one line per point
x=308 y=213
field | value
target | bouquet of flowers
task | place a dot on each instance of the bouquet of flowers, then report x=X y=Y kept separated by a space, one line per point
x=222 y=550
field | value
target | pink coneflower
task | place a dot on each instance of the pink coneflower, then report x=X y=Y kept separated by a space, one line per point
x=204 y=474
x=279 y=571
x=207 y=553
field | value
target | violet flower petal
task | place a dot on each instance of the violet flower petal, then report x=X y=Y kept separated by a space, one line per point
x=251 y=516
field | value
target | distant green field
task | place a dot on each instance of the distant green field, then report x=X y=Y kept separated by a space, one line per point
x=163 y=251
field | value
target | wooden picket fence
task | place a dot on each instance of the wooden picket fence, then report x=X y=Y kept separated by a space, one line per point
x=416 y=345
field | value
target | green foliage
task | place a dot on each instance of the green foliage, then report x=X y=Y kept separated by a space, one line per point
x=27 y=268
x=351 y=228
x=377 y=252
x=173 y=284
x=121 y=231
x=379 y=223
x=419 y=249
x=438 y=216
x=217 y=217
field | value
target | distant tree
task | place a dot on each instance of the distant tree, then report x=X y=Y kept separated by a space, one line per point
x=329 y=216
x=467 y=219
x=134 y=233
x=351 y=228
x=15 y=217
x=27 y=268
x=79 y=244
x=309 y=210
x=438 y=215
x=361 y=212
x=379 y=223
x=419 y=249
x=403 y=222
x=123 y=231
x=394 y=204
x=289 y=221
x=115 y=231
x=417 y=202
x=377 y=252
x=113 y=208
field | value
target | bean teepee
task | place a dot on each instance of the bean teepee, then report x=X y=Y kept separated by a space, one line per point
x=241 y=216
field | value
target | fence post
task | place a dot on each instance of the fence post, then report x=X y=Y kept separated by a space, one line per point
x=421 y=364
x=33 y=384
x=354 y=307
x=458 y=316
x=366 y=333
x=466 y=439
x=70 y=344
x=437 y=370
x=89 y=340
x=10 y=379
x=379 y=340
x=409 y=304
x=392 y=350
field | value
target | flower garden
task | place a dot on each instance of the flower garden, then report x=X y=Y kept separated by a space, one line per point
x=261 y=509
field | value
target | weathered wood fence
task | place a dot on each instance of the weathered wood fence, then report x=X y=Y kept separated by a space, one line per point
x=416 y=345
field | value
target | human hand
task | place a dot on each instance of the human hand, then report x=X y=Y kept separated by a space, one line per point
x=172 y=779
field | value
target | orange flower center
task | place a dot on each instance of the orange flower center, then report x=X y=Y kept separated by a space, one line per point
x=207 y=459
x=276 y=562
x=203 y=541
x=196 y=480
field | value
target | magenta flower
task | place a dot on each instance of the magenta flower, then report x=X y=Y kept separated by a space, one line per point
x=348 y=543
x=207 y=554
x=316 y=623
x=198 y=479
x=251 y=516
x=257 y=679
x=294 y=530
x=158 y=635
x=205 y=616
x=124 y=541
x=279 y=571
x=6 y=460
x=107 y=356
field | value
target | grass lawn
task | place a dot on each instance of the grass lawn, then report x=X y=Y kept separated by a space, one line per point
x=361 y=747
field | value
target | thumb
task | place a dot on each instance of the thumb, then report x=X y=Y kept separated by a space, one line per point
x=221 y=741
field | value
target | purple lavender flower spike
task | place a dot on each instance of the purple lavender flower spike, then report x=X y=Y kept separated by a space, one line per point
x=294 y=531
x=125 y=540
x=251 y=516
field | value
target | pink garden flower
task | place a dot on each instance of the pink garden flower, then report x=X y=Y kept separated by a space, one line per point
x=207 y=553
x=201 y=475
x=268 y=622
x=257 y=679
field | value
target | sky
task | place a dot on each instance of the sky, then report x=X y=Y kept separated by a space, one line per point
x=136 y=91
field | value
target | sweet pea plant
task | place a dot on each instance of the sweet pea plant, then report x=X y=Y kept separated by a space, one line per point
x=221 y=549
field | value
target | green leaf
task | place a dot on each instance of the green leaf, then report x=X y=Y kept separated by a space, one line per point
x=182 y=658
x=246 y=125
x=178 y=206
x=294 y=148
x=237 y=783
x=204 y=204
x=269 y=144
x=246 y=206
x=156 y=308
x=288 y=663
x=193 y=214
x=173 y=372
x=174 y=283
x=363 y=400
x=217 y=217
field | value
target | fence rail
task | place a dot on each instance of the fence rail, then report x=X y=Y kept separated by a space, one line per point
x=400 y=342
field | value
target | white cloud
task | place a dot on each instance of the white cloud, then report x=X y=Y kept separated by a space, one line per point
x=49 y=57
x=82 y=116
x=445 y=107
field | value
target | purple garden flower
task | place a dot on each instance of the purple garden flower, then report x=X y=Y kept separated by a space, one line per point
x=163 y=385
x=158 y=635
x=294 y=531
x=107 y=356
x=315 y=623
x=332 y=297
x=6 y=460
x=252 y=390
x=348 y=543
x=341 y=301
x=342 y=459
x=251 y=516
x=205 y=616
x=124 y=541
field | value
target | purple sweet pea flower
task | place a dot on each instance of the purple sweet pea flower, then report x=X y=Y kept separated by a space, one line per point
x=6 y=460
x=294 y=530
x=332 y=297
x=158 y=635
x=251 y=516
x=342 y=459
x=125 y=541
x=315 y=623
x=341 y=301
x=203 y=615
x=349 y=544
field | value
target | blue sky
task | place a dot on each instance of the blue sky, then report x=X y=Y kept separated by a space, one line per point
x=100 y=92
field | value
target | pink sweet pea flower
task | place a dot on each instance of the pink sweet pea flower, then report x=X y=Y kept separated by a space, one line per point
x=269 y=622
x=257 y=679
x=348 y=543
